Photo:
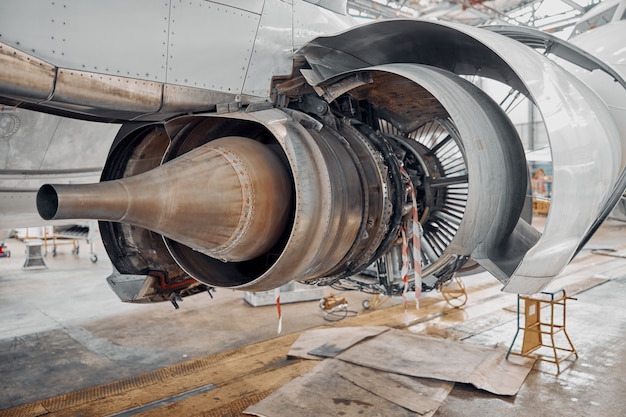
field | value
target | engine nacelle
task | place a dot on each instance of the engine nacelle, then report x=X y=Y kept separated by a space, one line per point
x=331 y=161
x=346 y=178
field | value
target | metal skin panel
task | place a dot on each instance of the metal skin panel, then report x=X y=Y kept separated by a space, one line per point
x=182 y=56
x=104 y=37
x=594 y=69
x=21 y=75
x=272 y=40
x=606 y=43
x=337 y=6
x=122 y=94
x=310 y=21
x=585 y=145
x=180 y=47
x=210 y=45
x=254 y=6
x=584 y=139
x=273 y=47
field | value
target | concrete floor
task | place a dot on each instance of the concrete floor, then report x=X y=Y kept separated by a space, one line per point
x=593 y=385
x=62 y=329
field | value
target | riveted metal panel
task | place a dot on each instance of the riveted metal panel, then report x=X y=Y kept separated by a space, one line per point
x=254 y=6
x=107 y=92
x=114 y=37
x=311 y=20
x=273 y=48
x=20 y=74
x=28 y=26
x=210 y=45
x=337 y=6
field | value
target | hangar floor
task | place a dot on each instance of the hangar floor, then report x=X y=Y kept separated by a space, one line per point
x=63 y=331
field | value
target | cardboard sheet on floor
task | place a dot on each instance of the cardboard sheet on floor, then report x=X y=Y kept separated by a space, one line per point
x=421 y=395
x=415 y=355
x=325 y=343
x=328 y=390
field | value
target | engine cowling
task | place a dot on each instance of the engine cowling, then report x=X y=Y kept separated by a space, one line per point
x=380 y=124
x=348 y=173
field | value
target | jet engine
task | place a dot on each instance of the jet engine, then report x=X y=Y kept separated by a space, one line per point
x=379 y=147
x=315 y=191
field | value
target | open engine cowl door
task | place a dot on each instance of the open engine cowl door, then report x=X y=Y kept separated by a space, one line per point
x=585 y=144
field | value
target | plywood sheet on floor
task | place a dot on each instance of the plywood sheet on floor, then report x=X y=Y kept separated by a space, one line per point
x=329 y=389
x=328 y=342
x=422 y=356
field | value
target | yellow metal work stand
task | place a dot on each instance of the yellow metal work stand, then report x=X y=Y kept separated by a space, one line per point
x=535 y=329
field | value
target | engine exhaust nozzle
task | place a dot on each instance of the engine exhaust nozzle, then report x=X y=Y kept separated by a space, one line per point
x=229 y=199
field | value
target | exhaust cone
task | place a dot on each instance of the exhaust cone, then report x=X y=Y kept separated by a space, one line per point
x=228 y=199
